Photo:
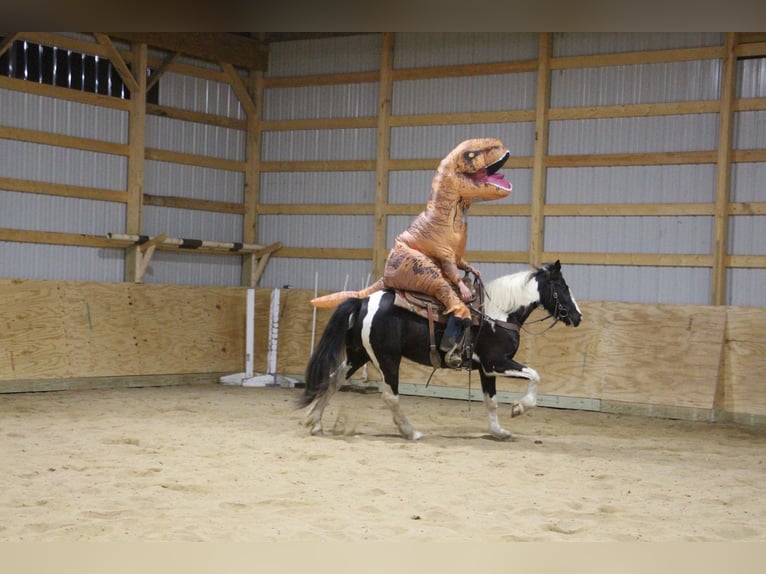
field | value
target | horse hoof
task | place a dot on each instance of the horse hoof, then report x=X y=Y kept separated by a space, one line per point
x=317 y=432
x=516 y=410
x=501 y=434
x=416 y=435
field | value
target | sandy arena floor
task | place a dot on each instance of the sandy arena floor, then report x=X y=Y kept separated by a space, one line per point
x=220 y=463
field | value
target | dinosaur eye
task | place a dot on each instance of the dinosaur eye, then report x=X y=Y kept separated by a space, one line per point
x=470 y=155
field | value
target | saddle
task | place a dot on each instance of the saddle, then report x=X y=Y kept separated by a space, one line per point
x=432 y=309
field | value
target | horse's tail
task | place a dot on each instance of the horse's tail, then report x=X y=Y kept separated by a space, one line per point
x=334 y=299
x=329 y=353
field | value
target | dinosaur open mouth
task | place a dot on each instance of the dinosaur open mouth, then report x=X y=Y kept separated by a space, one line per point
x=491 y=176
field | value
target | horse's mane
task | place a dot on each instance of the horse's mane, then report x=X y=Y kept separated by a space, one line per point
x=506 y=294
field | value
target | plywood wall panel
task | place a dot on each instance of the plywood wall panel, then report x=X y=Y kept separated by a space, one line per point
x=744 y=372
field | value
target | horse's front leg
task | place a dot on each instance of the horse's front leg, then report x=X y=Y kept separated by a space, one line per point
x=529 y=400
x=489 y=389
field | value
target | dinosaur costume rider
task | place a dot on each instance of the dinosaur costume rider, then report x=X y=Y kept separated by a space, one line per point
x=428 y=255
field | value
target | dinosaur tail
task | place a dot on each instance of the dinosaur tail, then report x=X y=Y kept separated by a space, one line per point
x=335 y=299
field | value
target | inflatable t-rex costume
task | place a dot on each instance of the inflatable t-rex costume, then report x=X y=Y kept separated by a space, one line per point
x=428 y=255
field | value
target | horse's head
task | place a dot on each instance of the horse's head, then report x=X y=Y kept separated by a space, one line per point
x=555 y=296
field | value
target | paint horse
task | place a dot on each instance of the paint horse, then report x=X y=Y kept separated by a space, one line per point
x=375 y=329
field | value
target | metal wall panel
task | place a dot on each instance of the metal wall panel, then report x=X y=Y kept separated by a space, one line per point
x=584 y=43
x=745 y=287
x=60 y=262
x=37 y=162
x=61 y=214
x=199 y=95
x=632 y=184
x=195 y=138
x=334 y=101
x=331 y=231
x=486 y=233
x=747 y=235
x=192 y=224
x=327 y=274
x=665 y=285
x=750 y=130
x=194 y=182
x=63 y=117
x=318 y=145
x=415 y=186
x=747 y=182
x=751 y=78
x=638 y=84
x=423 y=49
x=468 y=94
x=634 y=135
x=619 y=234
x=437 y=141
x=194 y=269
x=325 y=56
x=333 y=187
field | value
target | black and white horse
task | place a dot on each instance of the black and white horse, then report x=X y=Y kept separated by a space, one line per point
x=374 y=329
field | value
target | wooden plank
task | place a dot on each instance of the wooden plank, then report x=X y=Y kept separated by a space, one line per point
x=61 y=140
x=235 y=49
x=315 y=209
x=63 y=93
x=197 y=117
x=136 y=156
x=747 y=208
x=463 y=118
x=748 y=155
x=194 y=204
x=318 y=165
x=252 y=268
x=637 y=259
x=633 y=58
x=430 y=164
x=62 y=190
x=160 y=70
x=465 y=70
x=539 y=169
x=119 y=64
x=8 y=41
x=193 y=159
x=321 y=80
x=53 y=238
x=635 y=110
x=325 y=253
x=723 y=171
x=627 y=209
x=319 y=124
x=385 y=93
x=239 y=88
x=749 y=104
x=624 y=159
x=746 y=261
x=751 y=50
x=745 y=361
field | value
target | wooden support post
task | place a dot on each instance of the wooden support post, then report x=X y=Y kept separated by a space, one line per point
x=380 y=249
x=136 y=150
x=539 y=168
x=723 y=170
x=144 y=254
x=131 y=79
x=252 y=266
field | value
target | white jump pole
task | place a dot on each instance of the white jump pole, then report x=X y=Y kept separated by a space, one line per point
x=239 y=378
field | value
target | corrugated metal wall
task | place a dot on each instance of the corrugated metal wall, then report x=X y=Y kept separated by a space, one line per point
x=644 y=83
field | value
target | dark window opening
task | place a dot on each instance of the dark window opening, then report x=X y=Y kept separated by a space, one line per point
x=66 y=69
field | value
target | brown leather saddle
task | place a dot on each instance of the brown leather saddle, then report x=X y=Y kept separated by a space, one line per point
x=432 y=309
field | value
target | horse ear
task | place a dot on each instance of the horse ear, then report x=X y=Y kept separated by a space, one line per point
x=556 y=266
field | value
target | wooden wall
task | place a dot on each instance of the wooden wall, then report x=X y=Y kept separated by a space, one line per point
x=680 y=361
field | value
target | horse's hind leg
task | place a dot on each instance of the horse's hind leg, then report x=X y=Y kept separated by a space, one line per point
x=313 y=418
x=405 y=428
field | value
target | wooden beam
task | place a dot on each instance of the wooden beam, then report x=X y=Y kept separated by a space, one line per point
x=8 y=41
x=194 y=204
x=63 y=93
x=319 y=124
x=621 y=159
x=318 y=209
x=234 y=49
x=463 y=118
x=196 y=117
x=322 y=80
x=60 y=140
x=62 y=190
x=465 y=70
x=723 y=170
x=119 y=64
x=169 y=60
x=193 y=159
x=136 y=157
x=253 y=266
x=240 y=89
x=539 y=169
x=633 y=58
x=319 y=165
x=385 y=92
x=634 y=110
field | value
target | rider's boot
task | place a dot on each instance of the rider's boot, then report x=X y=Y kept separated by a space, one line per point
x=452 y=340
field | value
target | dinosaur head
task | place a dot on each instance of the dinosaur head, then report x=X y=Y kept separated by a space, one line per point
x=473 y=166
